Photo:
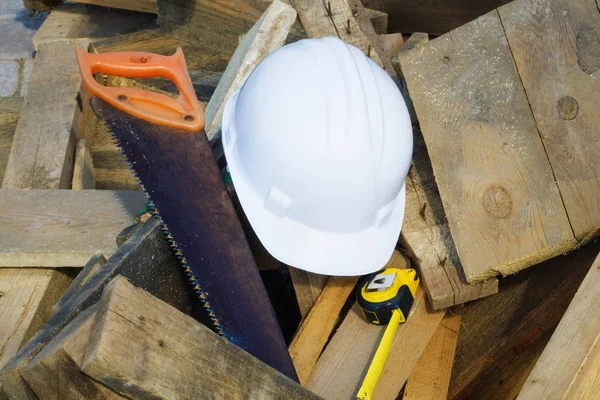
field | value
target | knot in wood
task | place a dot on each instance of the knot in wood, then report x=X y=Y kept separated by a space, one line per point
x=497 y=201
x=568 y=108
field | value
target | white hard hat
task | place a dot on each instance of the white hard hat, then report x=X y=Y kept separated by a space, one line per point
x=318 y=142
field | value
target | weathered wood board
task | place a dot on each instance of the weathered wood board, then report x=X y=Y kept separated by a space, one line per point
x=53 y=228
x=50 y=109
x=268 y=34
x=80 y=21
x=144 y=6
x=10 y=110
x=315 y=330
x=84 y=176
x=568 y=366
x=146 y=259
x=55 y=372
x=556 y=47
x=24 y=307
x=214 y=24
x=346 y=19
x=502 y=336
x=425 y=233
x=307 y=287
x=141 y=346
x=431 y=376
x=344 y=362
x=503 y=207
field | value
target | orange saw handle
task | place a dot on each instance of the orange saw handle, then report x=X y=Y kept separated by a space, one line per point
x=182 y=113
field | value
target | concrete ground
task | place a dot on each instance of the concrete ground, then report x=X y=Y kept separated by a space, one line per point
x=17 y=27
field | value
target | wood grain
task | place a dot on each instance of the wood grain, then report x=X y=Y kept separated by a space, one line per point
x=317 y=327
x=344 y=362
x=425 y=233
x=431 y=376
x=378 y=19
x=307 y=287
x=348 y=20
x=84 y=176
x=80 y=21
x=503 y=207
x=561 y=39
x=146 y=259
x=174 y=356
x=62 y=227
x=55 y=372
x=23 y=307
x=145 y=6
x=391 y=43
x=502 y=336
x=568 y=364
x=45 y=123
x=214 y=24
x=10 y=110
x=268 y=34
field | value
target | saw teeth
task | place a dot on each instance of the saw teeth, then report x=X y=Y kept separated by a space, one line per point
x=164 y=227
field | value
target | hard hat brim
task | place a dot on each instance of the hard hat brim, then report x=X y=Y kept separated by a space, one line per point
x=327 y=253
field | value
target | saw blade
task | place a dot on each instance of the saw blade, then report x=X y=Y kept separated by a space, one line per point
x=183 y=182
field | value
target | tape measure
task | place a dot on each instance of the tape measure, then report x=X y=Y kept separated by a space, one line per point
x=384 y=292
x=385 y=298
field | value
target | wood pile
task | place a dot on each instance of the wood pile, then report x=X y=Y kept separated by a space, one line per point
x=504 y=179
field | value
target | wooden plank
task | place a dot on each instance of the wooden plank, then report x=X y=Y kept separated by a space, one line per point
x=431 y=376
x=409 y=344
x=317 y=327
x=62 y=227
x=145 y=6
x=181 y=357
x=512 y=376
x=80 y=21
x=342 y=366
x=308 y=287
x=433 y=16
x=378 y=19
x=84 y=176
x=425 y=233
x=215 y=24
x=414 y=40
x=146 y=259
x=564 y=98
x=10 y=110
x=55 y=372
x=23 y=307
x=267 y=35
x=391 y=43
x=502 y=204
x=346 y=19
x=502 y=336
x=569 y=363
x=45 y=123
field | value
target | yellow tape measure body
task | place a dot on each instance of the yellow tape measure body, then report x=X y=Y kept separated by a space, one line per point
x=385 y=298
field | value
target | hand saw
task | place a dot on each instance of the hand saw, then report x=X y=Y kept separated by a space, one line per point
x=165 y=144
